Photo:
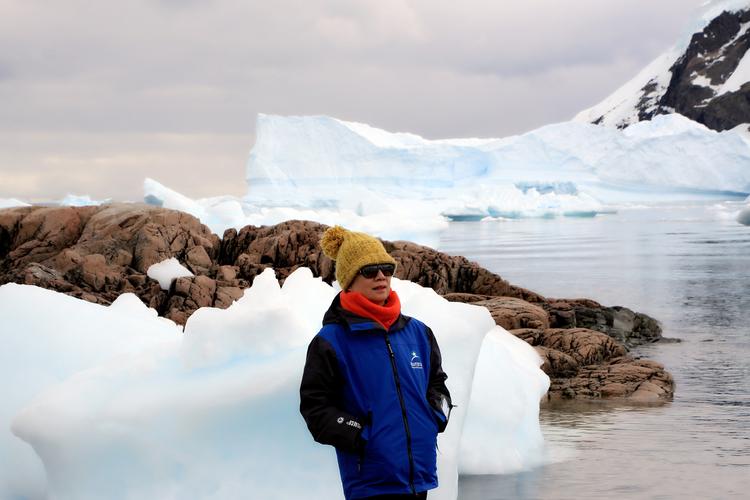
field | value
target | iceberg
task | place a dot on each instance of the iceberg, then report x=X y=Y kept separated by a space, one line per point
x=319 y=161
x=402 y=186
x=144 y=411
x=224 y=212
x=41 y=350
x=12 y=202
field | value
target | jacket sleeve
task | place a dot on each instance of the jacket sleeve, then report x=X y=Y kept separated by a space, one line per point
x=320 y=400
x=437 y=393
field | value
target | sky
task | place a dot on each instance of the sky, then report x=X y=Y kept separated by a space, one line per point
x=96 y=95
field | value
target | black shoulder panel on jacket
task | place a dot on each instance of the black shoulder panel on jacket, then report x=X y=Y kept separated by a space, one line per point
x=320 y=399
x=437 y=391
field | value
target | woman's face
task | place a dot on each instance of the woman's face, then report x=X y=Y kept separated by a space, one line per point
x=375 y=289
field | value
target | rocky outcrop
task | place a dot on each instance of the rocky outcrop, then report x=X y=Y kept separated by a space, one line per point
x=293 y=244
x=710 y=59
x=584 y=363
x=629 y=327
x=512 y=313
x=98 y=253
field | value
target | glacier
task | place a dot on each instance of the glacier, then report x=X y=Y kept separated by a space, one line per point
x=115 y=402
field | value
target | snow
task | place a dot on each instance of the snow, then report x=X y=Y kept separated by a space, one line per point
x=712 y=8
x=619 y=108
x=166 y=271
x=704 y=82
x=145 y=412
x=740 y=76
x=12 y=202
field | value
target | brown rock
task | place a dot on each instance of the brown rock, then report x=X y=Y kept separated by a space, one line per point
x=198 y=259
x=629 y=327
x=557 y=363
x=585 y=346
x=622 y=377
x=227 y=273
x=512 y=313
x=467 y=298
x=226 y=295
x=97 y=253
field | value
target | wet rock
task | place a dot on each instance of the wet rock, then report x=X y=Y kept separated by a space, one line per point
x=629 y=327
x=623 y=377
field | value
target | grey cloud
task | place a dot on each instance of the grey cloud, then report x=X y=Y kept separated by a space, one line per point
x=205 y=68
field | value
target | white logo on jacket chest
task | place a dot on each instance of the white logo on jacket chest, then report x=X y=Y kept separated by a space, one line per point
x=416 y=363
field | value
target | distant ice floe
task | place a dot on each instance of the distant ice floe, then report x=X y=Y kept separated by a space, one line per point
x=118 y=403
x=70 y=200
x=73 y=200
x=12 y=202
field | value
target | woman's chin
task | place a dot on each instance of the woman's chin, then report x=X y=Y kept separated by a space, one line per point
x=378 y=296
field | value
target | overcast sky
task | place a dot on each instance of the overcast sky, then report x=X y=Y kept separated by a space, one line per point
x=95 y=95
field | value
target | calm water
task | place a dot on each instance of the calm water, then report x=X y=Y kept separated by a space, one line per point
x=690 y=268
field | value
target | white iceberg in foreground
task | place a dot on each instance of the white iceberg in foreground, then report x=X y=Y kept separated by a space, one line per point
x=46 y=338
x=215 y=416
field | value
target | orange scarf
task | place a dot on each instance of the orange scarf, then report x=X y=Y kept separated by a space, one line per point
x=362 y=306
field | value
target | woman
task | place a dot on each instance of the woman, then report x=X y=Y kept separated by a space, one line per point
x=373 y=385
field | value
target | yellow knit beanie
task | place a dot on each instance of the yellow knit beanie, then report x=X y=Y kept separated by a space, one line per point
x=352 y=251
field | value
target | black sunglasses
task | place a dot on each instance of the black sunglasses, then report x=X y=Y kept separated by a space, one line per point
x=371 y=271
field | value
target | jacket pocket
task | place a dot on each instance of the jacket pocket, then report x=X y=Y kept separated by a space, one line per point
x=364 y=437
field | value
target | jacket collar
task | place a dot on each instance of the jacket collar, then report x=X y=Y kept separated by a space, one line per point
x=337 y=314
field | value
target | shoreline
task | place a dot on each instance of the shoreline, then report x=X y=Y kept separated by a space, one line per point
x=97 y=253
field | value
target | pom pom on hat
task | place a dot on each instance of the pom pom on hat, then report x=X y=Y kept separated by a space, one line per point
x=332 y=240
x=352 y=251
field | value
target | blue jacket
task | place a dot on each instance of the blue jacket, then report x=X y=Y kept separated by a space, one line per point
x=380 y=398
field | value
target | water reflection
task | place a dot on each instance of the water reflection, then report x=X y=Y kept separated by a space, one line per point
x=685 y=268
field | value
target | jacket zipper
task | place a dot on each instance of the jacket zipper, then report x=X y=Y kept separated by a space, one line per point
x=403 y=413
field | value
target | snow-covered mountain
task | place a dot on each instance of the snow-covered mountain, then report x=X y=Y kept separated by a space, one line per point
x=705 y=76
